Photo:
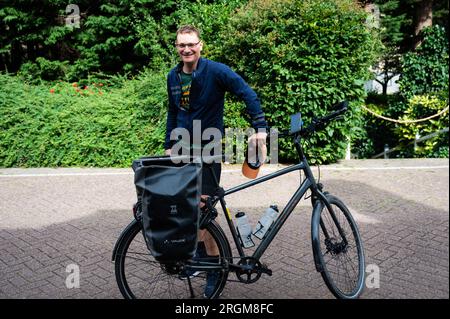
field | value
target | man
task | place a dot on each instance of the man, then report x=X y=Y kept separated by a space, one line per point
x=196 y=89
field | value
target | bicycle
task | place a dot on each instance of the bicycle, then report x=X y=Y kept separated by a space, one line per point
x=336 y=242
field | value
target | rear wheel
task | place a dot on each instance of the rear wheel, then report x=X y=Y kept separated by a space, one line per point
x=338 y=249
x=139 y=275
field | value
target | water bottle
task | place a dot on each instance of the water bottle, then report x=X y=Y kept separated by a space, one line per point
x=244 y=230
x=266 y=221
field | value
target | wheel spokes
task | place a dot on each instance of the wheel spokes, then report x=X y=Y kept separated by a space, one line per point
x=341 y=260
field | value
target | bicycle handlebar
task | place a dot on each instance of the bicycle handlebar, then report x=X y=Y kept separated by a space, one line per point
x=341 y=108
x=318 y=123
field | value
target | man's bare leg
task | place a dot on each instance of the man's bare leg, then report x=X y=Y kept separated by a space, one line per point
x=205 y=236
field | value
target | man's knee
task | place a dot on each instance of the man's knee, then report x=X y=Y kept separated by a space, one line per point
x=202 y=204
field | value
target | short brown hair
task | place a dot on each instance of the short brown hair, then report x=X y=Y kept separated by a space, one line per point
x=188 y=29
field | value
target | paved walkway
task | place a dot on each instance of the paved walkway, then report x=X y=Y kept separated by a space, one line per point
x=52 y=218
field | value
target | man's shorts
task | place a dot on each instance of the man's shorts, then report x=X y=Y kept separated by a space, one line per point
x=209 y=185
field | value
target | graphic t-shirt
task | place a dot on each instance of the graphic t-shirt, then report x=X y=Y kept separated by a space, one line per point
x=186 y=80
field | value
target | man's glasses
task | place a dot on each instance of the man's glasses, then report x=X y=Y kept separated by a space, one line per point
x=188 y=45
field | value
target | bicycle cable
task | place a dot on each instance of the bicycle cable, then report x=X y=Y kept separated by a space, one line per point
x=318 y=169
x=306 y=196
x=300 y=172
x=318 y=181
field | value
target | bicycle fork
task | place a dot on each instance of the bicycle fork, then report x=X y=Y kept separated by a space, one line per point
x=319 y=201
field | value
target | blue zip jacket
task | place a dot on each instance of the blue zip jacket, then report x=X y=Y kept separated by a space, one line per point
x=209 y=83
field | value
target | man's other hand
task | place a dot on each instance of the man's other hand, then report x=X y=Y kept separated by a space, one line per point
x=258 y=141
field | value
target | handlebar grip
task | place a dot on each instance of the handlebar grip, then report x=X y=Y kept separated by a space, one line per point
x=342 y=108
x=274 y=131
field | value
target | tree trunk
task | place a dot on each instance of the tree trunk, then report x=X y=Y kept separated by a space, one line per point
x=385 y=84
x=16 y=56
x=423 y=18
x=4 y=62
x=385 y=77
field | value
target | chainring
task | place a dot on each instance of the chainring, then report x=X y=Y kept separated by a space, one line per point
x=250 y=271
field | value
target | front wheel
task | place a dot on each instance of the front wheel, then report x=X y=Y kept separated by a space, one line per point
x=139 y=275
x=338 y=250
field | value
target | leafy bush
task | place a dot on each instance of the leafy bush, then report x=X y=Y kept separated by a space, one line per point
x=380 y=132
x=303 y=56
x=421 y=106
x=423 y=92
x=425 y=83
x=377 y=132
x=426 y=69
x=43 y=69
x=70 y=125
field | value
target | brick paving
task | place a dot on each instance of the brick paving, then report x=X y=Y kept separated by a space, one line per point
x=53 y=218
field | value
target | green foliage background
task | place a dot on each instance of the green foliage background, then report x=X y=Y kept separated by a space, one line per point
x=113 y=37
x=298 y=55
x=303 y=56
x=424 y=85
x=105 y=126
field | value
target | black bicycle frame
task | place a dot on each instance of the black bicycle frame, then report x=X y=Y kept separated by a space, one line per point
x=308 y=183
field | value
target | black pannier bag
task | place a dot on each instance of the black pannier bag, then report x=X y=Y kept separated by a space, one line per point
x=170 y=195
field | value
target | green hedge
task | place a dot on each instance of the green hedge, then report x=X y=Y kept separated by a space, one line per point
x=425 y=70
x=421 y=106
x=97 y=125
x=303 y=56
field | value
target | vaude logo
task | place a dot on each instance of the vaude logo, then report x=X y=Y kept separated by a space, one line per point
x=173 y=210
x=175 y=241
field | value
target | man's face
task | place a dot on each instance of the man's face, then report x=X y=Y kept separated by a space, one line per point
x=189 y=47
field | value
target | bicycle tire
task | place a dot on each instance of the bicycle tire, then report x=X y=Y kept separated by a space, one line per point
x=332 y=256
x=140 y=276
